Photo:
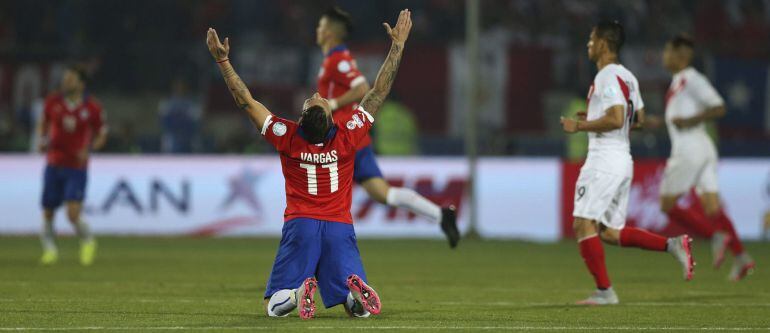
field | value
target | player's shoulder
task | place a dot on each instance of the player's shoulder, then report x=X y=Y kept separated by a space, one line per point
x=613 y=72
x=339 y=56
x=52 y=98
x=92 y=102
x=693 y=75
x=280 y=126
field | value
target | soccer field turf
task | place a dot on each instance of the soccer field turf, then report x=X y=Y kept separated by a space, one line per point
x=143 y=284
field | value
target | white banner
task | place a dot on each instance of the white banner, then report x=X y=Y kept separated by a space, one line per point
x=216 y=195
x=744 y=185
x=224 y=195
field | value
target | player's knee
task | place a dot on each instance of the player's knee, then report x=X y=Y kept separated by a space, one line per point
x=583 y=227
x=378 y=192
x=609 y=236
x=710 y=203
x=73 y=215
x=667 y=204
x=48 y=214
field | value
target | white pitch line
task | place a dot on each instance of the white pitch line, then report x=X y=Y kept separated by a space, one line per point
x=642 y=304
x=387 y=328
x=448 y=303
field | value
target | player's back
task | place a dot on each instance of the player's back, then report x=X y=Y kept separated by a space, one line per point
x=319 y=177
x=338 y=74
x=689 y=94
x=614 y=85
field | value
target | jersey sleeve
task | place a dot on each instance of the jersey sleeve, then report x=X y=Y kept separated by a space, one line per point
x=705 y=93
x=610 y=92
x=344 y=71
x=357 y=126
x=278 y=132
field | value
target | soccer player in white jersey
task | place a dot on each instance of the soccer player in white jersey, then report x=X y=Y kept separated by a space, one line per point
x=690 y=101
x=601 y=193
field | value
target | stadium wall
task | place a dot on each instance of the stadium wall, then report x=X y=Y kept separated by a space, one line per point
x=518 y=198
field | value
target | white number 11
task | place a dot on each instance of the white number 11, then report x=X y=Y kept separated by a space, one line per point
x=312 y=178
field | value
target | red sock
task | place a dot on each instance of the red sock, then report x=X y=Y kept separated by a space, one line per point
x=635 y=237
x=593 y=254
x=724 y=223
x=693 y=220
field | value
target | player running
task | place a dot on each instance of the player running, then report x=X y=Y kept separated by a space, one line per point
x=72 y=125
x=340 y=81
x=318 y=247
x=690 y=101
x=601 y=192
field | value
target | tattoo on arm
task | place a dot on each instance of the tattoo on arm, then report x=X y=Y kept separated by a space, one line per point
x=237 y=88
x=384 y=81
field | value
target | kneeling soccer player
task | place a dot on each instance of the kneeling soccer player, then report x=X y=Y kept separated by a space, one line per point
x=318 y=248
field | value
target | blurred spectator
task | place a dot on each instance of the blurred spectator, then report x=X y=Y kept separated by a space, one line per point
x=396 y=132
x=577 y=143
x=180 y=115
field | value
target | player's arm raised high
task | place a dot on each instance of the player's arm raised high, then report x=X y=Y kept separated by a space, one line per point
x=382 y=84
x=220 y=51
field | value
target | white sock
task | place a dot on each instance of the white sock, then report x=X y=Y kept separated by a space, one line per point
x=355 y=307
x=408 y=199
x=282 y=303
x=83 y=231
x=48 y=236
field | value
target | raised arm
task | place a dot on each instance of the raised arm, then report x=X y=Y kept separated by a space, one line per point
x=387 y=74
x=257 y=112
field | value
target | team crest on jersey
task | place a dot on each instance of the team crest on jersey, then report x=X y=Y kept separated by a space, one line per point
x=84 y=114
x=279 y=129
x=343 y=66
x=358 y=121
x=351 y=125
x=610 y=92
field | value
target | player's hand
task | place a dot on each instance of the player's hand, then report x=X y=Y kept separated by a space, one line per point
x=569 y=125
x=684 y=123
x=83 y=155
x=42 y=145
x=582 y=115
x=400 y=32
x=99 y=142
x=218 y=50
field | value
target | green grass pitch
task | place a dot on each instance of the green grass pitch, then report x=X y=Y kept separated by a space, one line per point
x=179 y=284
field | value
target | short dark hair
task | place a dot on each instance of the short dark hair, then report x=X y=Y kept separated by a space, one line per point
x=315 y=124
x=341 y=17
x=613 y=33
x=80 y=71
x=682 y=40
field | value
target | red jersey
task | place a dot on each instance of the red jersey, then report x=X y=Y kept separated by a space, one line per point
x=70 y=129
x=338 y=74
x=319 y=177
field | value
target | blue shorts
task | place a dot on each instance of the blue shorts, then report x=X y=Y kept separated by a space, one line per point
x=63 y=184
x=366 y=165
x=326 y=250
